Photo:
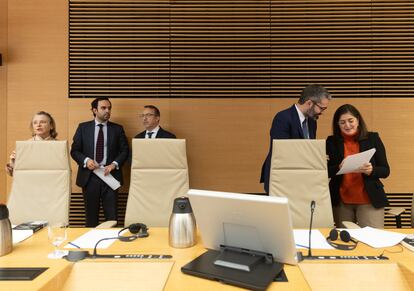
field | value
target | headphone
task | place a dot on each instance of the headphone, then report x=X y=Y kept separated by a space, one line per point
x=138 y=230
x=345 y=237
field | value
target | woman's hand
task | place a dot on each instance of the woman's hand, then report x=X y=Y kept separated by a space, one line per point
x=13 y=157
x=9 y=169
x=365 y=169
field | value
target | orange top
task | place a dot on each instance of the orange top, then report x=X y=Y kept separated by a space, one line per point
x=352 y=190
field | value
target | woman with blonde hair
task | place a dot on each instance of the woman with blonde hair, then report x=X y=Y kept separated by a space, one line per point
x=43 y=127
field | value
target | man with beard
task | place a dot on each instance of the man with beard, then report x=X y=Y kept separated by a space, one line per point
x=99 y=143
x=297 y=122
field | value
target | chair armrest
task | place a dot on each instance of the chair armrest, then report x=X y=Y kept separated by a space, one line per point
x=350 y=225
x=107 y=224
x=396 y=210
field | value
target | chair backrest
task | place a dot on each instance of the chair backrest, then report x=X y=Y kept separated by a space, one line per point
x=159 y=174
x=299 y=172
x=41 y=182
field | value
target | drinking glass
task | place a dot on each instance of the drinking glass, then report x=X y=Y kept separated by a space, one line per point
x=57 y=235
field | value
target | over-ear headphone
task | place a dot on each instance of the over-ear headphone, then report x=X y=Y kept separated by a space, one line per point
x=345 y=237
x=138 y=230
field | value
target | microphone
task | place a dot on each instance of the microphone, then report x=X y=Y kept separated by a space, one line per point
x=312 y=205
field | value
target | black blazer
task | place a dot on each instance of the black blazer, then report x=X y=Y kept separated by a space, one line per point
x=380 y=168
x=83 y=146
x=160 y=134
x=286 y=125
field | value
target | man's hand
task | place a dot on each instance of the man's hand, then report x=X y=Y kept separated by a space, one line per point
x=109 y=168
x=92 y=165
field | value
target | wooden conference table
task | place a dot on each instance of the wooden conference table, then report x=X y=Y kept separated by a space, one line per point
x=33 y=253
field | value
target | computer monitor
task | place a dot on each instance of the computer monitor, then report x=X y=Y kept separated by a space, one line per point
x=254 y=222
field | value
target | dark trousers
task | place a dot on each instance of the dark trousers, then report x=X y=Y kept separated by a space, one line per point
x=93 y=193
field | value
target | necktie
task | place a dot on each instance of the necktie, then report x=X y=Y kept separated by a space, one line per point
x=100 y=145
x=149 y=134
x=305 y=129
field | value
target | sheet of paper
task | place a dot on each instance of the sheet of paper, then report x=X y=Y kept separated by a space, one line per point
x=376 y=238
x=108 y=179
x=21 y=234
x=353 y=162
x=318 y=241
x=89 y=239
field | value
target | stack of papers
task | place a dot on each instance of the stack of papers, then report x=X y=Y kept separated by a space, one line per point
x=89 y=239
x=318 y=241
x=20 y=235
x=376 y=238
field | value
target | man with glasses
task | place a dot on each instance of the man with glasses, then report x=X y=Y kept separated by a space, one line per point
x=151 y=120
x=297 y=122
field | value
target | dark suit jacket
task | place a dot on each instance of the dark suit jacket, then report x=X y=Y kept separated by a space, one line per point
x=160 y=134
x=381 y=169
x=83 y=146
x=286 y=125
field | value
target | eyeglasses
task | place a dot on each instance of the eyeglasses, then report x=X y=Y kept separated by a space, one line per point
x=320 y=107
x=147 y=115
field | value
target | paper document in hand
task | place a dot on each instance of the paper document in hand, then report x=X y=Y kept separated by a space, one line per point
x=108 y=179
x=376 y=238
x=353 y=162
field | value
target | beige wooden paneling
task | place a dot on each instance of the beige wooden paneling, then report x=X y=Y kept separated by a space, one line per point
x=37 y=66
x=227 y=139
x=3 y=98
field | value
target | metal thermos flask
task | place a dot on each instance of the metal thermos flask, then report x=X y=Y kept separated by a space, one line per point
x=6 y=242
x=182 y=228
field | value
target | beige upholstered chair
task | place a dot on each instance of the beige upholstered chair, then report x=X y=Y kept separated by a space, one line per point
x=159 y=174
x=41 y=182
x=299 y=172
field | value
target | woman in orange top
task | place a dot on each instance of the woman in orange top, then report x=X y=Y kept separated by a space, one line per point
x=359 y=196
x=43 y=127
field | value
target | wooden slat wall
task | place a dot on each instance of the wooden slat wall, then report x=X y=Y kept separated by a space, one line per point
x=393 y=48
x=399 y=200
x=119 y=49
x=326 y=42
x=220 y=48
x=77 y=210
x=242 y=48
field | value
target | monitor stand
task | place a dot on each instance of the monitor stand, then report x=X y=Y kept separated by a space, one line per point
x=241 y=267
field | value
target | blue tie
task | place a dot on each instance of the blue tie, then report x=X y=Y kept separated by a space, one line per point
x=305 y=129
x=150 y=133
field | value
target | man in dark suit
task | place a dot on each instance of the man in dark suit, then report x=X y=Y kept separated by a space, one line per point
x=297 y=122
x=151 y=121
x=99 y=143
